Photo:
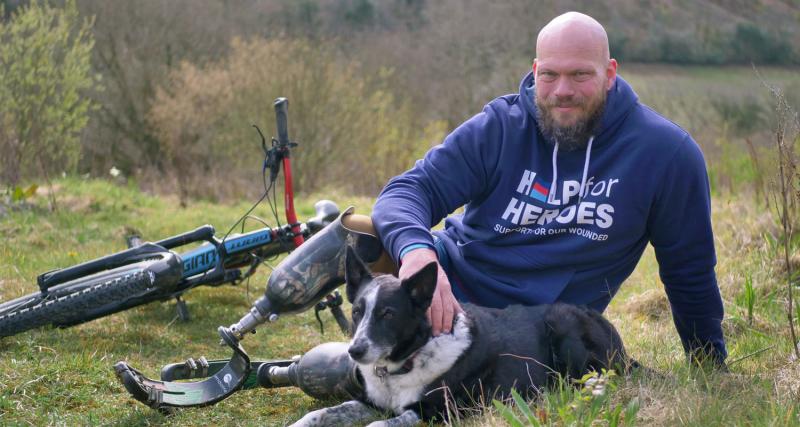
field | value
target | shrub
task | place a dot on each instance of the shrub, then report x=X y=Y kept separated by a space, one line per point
x=751 y=44
x=353 y=132
x=44 y=68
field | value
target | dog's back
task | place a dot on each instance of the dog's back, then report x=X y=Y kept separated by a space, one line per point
x=525 y=348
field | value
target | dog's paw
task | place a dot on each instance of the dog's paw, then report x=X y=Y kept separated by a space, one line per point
x=309 y=420
x=406 y=419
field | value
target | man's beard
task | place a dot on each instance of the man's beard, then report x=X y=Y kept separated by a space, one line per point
x=576 y=135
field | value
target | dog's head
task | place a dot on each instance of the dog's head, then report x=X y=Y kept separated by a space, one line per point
x=389 y=321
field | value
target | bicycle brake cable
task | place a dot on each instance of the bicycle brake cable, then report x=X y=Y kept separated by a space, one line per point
x=267 y=189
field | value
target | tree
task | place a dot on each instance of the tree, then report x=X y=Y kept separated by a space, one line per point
x=45 y=69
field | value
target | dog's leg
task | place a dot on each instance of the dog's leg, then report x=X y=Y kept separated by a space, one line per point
x=346 y=414
x=406 y=419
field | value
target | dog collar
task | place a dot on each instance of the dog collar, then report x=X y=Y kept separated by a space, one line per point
x=382 y=371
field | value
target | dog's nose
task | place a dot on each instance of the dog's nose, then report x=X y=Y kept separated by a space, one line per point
x=357 y=351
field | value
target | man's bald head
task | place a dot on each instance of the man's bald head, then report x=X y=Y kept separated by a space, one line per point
x=573 y=73
x=576 y=33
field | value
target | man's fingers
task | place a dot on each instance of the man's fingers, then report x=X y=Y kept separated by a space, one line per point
x=436 y=314
x=448 y=311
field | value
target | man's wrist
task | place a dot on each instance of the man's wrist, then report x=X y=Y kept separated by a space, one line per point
x=412 y=247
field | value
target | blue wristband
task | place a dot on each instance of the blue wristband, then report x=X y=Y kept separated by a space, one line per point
x=413 y=246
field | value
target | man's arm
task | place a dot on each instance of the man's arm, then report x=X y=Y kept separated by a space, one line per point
x=681 y=233
x=450 y=175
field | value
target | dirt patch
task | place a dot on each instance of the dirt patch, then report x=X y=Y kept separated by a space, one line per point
x=69 y=203
x=47 y=190
x=77 y=203
x=787 y=381
x=654 y=408
x=650 y=303
x=794 y=262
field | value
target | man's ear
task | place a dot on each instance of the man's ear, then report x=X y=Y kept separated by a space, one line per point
x=422 y=284
x=611 y=73
x=355 y=272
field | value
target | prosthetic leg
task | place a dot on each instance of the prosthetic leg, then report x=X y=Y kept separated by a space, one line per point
x=307 y=275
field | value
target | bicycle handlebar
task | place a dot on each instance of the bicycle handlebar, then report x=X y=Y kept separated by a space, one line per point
x=204 y=232
x=281 y=117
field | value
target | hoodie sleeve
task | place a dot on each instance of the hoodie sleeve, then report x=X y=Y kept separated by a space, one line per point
x=450 y=175
x=680 y=231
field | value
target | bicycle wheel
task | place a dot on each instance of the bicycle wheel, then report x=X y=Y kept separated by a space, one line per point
x=85 y=298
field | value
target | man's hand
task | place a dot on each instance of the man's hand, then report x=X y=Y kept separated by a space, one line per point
x=444 y=305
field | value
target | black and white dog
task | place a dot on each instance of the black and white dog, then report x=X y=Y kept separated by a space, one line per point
x=412 y=374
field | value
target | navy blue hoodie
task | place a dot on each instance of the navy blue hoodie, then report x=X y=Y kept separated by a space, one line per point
x=542 y=225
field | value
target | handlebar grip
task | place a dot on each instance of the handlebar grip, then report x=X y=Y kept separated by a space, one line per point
x=281 y=116
x=205 y=232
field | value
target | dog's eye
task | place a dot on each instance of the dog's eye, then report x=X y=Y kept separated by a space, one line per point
x=387 y=313
x=356 y=312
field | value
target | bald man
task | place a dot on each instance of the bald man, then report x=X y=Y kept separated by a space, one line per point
x=564 y=184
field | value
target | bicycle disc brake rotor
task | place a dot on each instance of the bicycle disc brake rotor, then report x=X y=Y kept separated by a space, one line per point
x=166 y=394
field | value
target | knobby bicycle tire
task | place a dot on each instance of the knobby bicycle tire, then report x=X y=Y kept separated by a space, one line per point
x=63 y=289
x=73 y=302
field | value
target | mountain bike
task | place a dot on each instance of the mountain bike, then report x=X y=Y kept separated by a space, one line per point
x=153 y=271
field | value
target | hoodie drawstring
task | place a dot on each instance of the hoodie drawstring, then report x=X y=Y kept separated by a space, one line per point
x=585 y=168
x=551 y=193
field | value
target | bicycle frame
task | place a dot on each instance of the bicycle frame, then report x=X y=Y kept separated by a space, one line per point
x=232 y=374
x=201 y=262
x=214 y=263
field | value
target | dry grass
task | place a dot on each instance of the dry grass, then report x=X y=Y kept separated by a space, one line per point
x=64 y=376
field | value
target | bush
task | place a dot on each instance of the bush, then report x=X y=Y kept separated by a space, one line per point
x=44 y=68
x=751 y=44
x=353 y=132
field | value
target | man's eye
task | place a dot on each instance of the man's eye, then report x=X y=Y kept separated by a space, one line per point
x=547 y=75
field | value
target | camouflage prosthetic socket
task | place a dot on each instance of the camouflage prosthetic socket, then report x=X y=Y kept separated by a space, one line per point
x=317 y=267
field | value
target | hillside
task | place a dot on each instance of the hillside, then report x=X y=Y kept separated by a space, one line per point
x=377 y=82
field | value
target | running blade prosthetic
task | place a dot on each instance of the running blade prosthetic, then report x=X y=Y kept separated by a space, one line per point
x=168 y=394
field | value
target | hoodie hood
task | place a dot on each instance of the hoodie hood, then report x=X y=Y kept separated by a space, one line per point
x=620 y=101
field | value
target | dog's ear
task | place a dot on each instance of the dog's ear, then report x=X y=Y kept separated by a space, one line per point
x=355 y=271
x=422 y=284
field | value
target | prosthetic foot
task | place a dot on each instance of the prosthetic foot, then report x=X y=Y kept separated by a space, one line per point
x=306 y=276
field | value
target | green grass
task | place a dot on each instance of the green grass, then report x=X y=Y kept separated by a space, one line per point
x=64 y=377
x=722 y=108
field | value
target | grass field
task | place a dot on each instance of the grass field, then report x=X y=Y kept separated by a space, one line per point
x=64 y=377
